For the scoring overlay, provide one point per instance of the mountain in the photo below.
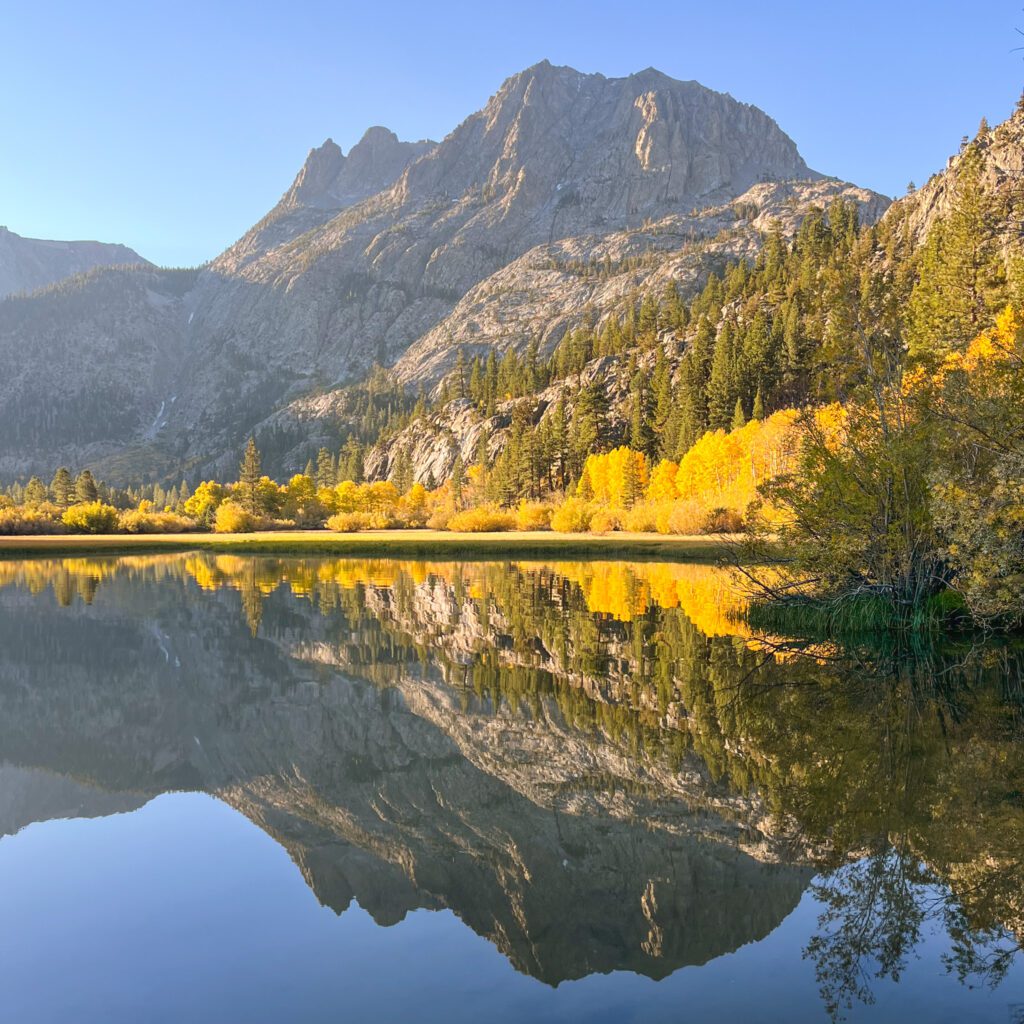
(27, 264)
(374, 258)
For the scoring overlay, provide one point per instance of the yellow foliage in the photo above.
(533, 515)
(22, 520)
(204, 500)
(232, 518)
(616, 478)
(144, 520)
(572, 516)
(483, 519)
(605, 520)
(91, 517)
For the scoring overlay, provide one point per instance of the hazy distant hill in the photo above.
(30, 263)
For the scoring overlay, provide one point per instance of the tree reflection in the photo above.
(893, 770)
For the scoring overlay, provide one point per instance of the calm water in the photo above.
(238, 789)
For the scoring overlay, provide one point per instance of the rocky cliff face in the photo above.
(401, 250)
(1000, 165)
(27, 264)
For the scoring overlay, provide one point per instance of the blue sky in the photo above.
(174, 127)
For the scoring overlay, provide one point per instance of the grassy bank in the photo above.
(435, 545)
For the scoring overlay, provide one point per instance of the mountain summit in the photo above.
(367, 253)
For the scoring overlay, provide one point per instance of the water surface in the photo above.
(316, 790)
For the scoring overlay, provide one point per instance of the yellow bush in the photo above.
(91, 517)
(604, 520)
(572, 516)
(722, 520)
(142, 520)
(42, 519)
(232, 518)
(414, 507)
(484, 519)
(533, 515)
(641, 518)
(439, 517)
(202, 505)
(685, 517)
(352, 522)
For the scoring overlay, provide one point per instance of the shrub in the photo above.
(533, 515)
(30, 521)
(684, 517)
(352, 522)
(232, 518)
(141, 520)
(439, 518)
(90, 517)
(484, 519)
(722, 520)
(572, 516)
(604, 520)
(641, 518)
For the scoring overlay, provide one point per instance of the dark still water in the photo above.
(253, 789)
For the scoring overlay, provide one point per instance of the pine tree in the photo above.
(35, 492)
(738, 418)
(85, 487)
(757, 413)
(402, 473)
(350, 463)
(457, 480)
(641, 430)
(962, 276)
(589, 425)
(721, 389)
(558, 439)
(249, 473)
(326, 469)
(61, 487)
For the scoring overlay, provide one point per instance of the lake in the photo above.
(268, 789)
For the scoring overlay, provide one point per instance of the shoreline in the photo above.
(435, 545)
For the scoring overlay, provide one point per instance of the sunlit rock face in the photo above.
(380, 255)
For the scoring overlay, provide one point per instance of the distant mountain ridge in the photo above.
(367, 254)
(27, 264)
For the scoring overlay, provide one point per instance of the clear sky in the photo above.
(173, 127)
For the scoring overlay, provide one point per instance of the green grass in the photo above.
(855, 616)
(429, 544)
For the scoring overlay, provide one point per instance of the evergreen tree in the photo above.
(721, 389)
(559, 452)
(589, 424)
(757, 413)
(962, 277)
(457, 480)
(738, 418)
(61, 487)
(326, 469)
(35, 492)
(249, 473)
(350, 463)
(402, 473)
(641, 430)
(85, 487)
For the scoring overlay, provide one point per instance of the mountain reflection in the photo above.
(597, 766)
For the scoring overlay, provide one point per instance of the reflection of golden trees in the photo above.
(915, 761)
